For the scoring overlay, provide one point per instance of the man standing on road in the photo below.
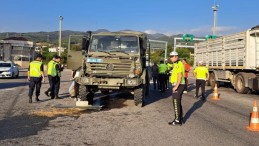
(201, 74)
(162, 68)
(155, 72)
(178, 83)
(187, 68)
(58, 68)
(52, 73)
(35, 76)
(167, 75)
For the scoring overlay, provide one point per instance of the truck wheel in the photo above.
(139, 95)
(212, 80)
(240, 85)
(85, 94)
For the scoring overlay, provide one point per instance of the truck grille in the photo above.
(111, 67)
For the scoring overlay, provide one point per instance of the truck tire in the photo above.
(240, 84)
(212, 80)
(85, 94)
(139, 95)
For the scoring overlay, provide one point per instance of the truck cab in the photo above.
(112, 61)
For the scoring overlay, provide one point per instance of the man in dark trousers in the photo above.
(35, 76)
(52, 73)
(58, 68)
(155, 72)
(201, 74)
(162, 68)
(178, 83)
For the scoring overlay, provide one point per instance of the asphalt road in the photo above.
(120, 123)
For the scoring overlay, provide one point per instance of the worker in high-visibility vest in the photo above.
(59, 69)
(201, 74)
(162, 69)
(52, 73)
(35, 76)
(178, 83)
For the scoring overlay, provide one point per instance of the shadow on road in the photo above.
(198, 104)
(155, 95)
(195, 106)
(22, 126)
(12, 85)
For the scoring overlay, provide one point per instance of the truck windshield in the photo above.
(127, 44)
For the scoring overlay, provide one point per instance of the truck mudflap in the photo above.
(253, 83)
(113, 83)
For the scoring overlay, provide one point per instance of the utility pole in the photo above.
(60, 29)
(215, 9)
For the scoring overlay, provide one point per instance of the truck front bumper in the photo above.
(110, 83)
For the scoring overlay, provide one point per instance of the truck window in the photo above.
(128, 44)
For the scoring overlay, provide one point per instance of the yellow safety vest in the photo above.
(162, 68)
(201, 72)
(35, 69)
(52, 68)
(178, 68)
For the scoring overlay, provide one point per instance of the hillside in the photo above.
(52, 37)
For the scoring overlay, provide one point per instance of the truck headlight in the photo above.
(131, 75)
(132, 82)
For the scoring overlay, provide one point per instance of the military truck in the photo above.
(232, 59)
(111, 61)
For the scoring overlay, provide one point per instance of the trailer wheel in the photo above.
(240, 85)
(139, 95)
(212, 80)
(85, 94)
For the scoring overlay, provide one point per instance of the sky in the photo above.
(169, 17)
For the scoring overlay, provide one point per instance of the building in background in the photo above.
(17, 49)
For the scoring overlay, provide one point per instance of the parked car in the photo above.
(8, 69)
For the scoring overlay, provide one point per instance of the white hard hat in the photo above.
(173, 53)
(200, 62)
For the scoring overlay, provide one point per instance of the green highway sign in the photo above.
(188, 37)
(210, 37)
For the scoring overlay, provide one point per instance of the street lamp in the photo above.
(60, 29)
(215, 9)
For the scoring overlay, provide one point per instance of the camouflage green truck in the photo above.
(112, 61)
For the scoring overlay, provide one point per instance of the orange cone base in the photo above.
(252, 129)
(215, 98)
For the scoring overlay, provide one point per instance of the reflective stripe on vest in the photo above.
(52, 68)
(35, 69)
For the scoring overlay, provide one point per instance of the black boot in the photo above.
(37, 99)
(175, 123)
(30, 99)
(57, 97)
(47, 93)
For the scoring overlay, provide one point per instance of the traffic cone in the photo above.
(254, 121)
(215, 93)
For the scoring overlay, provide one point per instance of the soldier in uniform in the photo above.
(35, 76)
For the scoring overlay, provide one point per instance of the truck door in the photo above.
(74, 54)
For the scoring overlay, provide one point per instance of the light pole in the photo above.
(60, 29)
(215, 9)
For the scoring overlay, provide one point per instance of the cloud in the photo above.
(149, 31)
(199, 31)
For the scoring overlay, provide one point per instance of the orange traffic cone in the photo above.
(254, 121)
(215, 93)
